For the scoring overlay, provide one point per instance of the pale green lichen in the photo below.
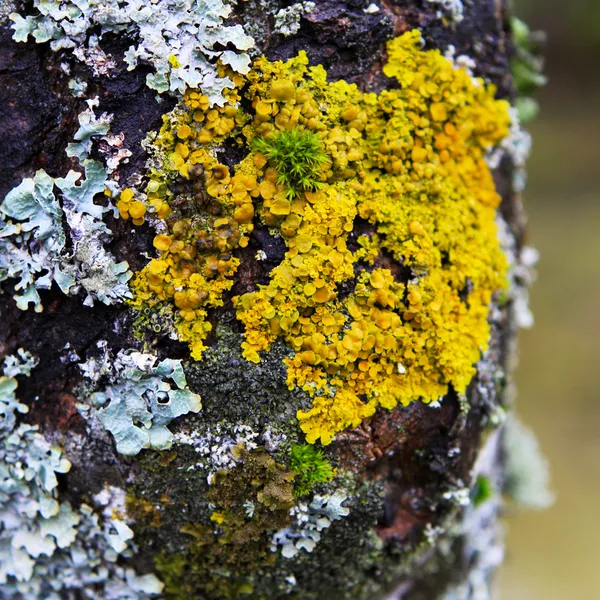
(140, 400)
(78, 87)
(48, 549)
(89, 126)
(33, 239)
(181, 39)
(30, 249)
(19, 364)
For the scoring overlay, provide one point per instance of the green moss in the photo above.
(298, 158)
(311, 467)
(483, 490)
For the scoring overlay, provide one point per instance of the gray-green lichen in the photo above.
(181, 39)
(89, 126)
(140, 399)
(287, 20)
(33, 239)
(78, 87)
(31, 245)
(48, 549)
(20, 364)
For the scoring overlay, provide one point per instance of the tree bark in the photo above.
(427, 483)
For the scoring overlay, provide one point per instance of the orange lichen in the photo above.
(409, 161)
(128, 207)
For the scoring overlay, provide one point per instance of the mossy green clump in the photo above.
(311, 467)
(483, 490)
(298, 158)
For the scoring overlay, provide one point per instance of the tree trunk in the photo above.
(229, 499)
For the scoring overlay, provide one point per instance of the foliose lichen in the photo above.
(310, 519)
(139, 399)
(287, 20)
(33, 239)
(452, 9)
(20, 363)
(48, 549)
(181, 39)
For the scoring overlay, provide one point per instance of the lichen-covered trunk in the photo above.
(262, 267)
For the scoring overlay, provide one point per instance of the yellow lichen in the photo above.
(410, 162)
(128, 207)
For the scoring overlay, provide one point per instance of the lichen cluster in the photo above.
(49, 548)
(392, 252)
(139, 398)
(181, 39)
(33, 236)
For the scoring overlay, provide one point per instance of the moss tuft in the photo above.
(311, 467)
(298, 158)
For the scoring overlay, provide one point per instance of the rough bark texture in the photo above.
(412, 463)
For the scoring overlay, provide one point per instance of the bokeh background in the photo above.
(555, 554)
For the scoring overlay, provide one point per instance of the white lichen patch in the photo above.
(372, 9)
(452, 9)
(462, 61)
(517, 146)
(181, 39)
(139, 400)
(521, 274)
(309, 520)
(218, 446)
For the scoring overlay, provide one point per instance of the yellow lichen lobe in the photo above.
(128, 207)
(382, 313)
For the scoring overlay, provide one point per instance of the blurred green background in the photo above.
(555, 554)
